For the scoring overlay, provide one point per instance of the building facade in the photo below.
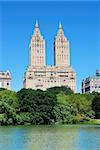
(91, 84)
(40, 76)
(5, 80)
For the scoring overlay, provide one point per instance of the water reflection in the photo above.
(54, 138)
(89, 138)
(64, 137)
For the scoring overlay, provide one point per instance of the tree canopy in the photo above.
(53, 106)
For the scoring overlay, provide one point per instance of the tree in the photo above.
(10, 98)
(8, 112)
(1, 89)
(55, 105)
(8, 107)
(38, 103)
(78, 107)
(63, 89)
(96, 105)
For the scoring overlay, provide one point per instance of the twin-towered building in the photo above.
(40, 76)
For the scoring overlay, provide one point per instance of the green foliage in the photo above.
(78, 107)
(10, 98)
(2, 119)
(23, 118)
(53, 106)
(8, 106)
(1, 89)
(96, 105)
(63, 89)
(7, 111)
(38, 103)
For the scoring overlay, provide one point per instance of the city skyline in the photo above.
(85, 21)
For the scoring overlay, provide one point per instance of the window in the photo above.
(8, 73)
(30, 76)
(7, 83)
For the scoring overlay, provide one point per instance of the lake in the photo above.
(55, 137)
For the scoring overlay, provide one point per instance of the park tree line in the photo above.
(58, 105)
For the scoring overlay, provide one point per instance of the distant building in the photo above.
(40, 76)
(91, 84)
(5, 80)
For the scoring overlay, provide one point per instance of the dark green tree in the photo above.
(63, 89)
(96, 105)
(8, 107)
(38, 103)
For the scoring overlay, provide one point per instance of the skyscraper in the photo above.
(40, 76)
(37, 48)
(61, 49)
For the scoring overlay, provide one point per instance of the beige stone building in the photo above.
(5, 80)
(91, 84)
(40, 76)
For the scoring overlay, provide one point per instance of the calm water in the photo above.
(64, 137)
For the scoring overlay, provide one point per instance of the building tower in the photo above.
(37, 48)
(61, 49)
(38, 75)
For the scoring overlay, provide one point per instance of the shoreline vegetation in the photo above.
(57, 105)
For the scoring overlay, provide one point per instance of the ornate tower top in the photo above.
(62, 51)
(60, 32)
(37, 32)
(60, 25)
(37, 48)
(36, 25)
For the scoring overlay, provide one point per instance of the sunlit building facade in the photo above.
(5, 79)
(40, 76)
(91, 84)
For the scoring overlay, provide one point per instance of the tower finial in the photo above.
(36, 25)
(60, 26)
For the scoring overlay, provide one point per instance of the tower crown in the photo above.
(37, 48)
(62, 50)
(60, 25)
(37, 32)
(36, 25)
(60, 32)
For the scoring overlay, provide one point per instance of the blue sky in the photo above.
(81, 24)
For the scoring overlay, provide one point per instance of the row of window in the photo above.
(95, 87)
(61, 47)
(52, 74)
(3, 74)
(37, 45)
(51, 80)
(37, 50)
(40, 51)
(38, 57)
(61, 56)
